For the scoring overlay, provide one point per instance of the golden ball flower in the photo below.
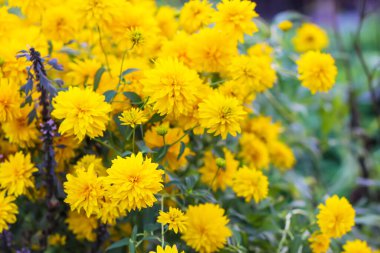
(174, 218)
(319, 243)
(133, 117)
(221, 115)
(167, 249)
(195, 15)
(8, 211)
(172, 87)
(310, 37)
(281, 155)
(254, 151)
(84, 191)
(285, 25)
(235, 18)
(134, 181)
(356, 246)
(336, 217)
(317, 71)
(83, 112)
(82, 226)
(9, 101)
(207, 229)
(16, 174)
(250, 183)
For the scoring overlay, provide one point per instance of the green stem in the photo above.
(162, 225)
(133, 140)
(105, 144)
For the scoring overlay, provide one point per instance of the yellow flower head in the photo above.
(234, 88)
(9, 101)
(319, 243)
(254, 72)
(337, 217)
(235, 18)
(83, 111)
(133, 181)
(133, 117)
(281, 155)
(317, 71)
(261, 50)
(208, 54)
(356, 246)
(59, 23)
(84, 191)
(215, 176)
(19, 131)
(207, 229)
(285, 25)
(16, 174)
(56, 240)
(82, 72)
(310, 37)
(88, 161)
(178, 48)
(82, 226)
(166, 21)
(167, 249)
(263, 128)
(195, 14)
(254, 151)
(221, 115)
(175, 218)
(97, 12)
(8, 211)
(172, 87)
(250, 183)
(154, 138)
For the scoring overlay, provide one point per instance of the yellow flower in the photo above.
(175, 218)
(83, 72)
(84, 191)
(9, 101)
(19, 132)
(254, 151)
(263, 128)
(317, 71)
(319, 243)
(64, 148)
(109, 209)
(195, 14)
(235, 18)
(215, 176)
(261, 50)
(95, 12)
(281, 155)
(254, 72)
(285, 25)
(207, 229)
(88, 161)
(8, 211)
(81, 118)
(356, 246)
(166, 21)
(167, 249)
(310, 37)
(221, 115)
(16, 174)
(208, 54)
(336, 218)
(250, 183)
(59, 23)
(56, 240)
(172, 87)
(83, 227)
(133, 181)
(153, 139)
(178, 48)
(133, 117)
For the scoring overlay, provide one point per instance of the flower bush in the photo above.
(134, 126)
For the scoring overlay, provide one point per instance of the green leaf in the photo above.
(156, 118)
(109, 94)
(119, 244)
(161, 152)
(98, 77)
(135, 99)
(128, 71)
(32, 115)
(143, 147)
(126, 153)
(132, 248)
(181, 150)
